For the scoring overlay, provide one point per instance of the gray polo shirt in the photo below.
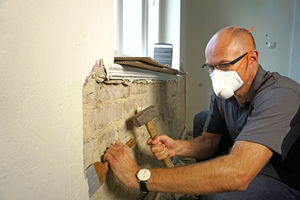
(270, 116)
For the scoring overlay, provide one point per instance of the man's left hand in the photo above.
(121, 160)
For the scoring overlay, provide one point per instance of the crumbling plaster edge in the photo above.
(116, 74)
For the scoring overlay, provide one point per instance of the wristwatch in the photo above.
(143, 175)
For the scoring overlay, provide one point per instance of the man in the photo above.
(260, 111)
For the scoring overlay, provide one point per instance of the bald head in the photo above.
(229, 42)
(241, 35)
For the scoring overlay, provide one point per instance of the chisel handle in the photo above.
(102, 168)
(153, 132)
(130, 143)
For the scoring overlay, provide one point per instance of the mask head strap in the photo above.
(247, 56)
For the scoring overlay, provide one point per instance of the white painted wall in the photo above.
(47, 49)
(169, 27)
(295, 58)
(273, 18)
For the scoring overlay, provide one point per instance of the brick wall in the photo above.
(107, 109)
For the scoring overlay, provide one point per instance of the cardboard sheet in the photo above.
(146, 63)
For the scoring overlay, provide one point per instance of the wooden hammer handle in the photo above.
(153, 132)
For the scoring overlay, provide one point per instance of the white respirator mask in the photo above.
(225, 83)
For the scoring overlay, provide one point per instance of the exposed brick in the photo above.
(88, 93)
(88, 98)
(106, 114)
(139, 88)
(125, 128)
(125, 92)
(112, 92)
(107, 110)
(131, 105)
(107, 137)
(88, 152)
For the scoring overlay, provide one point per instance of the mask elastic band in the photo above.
(246, 57)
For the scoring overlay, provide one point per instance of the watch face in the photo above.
(144, 174)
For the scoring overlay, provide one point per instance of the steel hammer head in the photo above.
(144, 116)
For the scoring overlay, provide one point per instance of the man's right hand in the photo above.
(162, 146)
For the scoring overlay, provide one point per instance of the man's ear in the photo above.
(253, 58)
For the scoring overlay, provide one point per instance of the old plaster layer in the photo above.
(107, 109)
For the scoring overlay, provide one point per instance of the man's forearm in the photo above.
(199, 148)
(226, 173)
(200, 178)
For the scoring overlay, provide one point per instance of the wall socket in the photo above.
(271, 45)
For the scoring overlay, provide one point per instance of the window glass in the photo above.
(116, 21)
(153, 21)
(135, 27)
(132, 27)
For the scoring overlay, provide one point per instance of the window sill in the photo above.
(140, 68)
(117, 71)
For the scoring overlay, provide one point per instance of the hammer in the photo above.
(145, 117)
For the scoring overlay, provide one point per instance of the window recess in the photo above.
(138, 25)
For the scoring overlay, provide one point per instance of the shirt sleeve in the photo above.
(270, 119)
